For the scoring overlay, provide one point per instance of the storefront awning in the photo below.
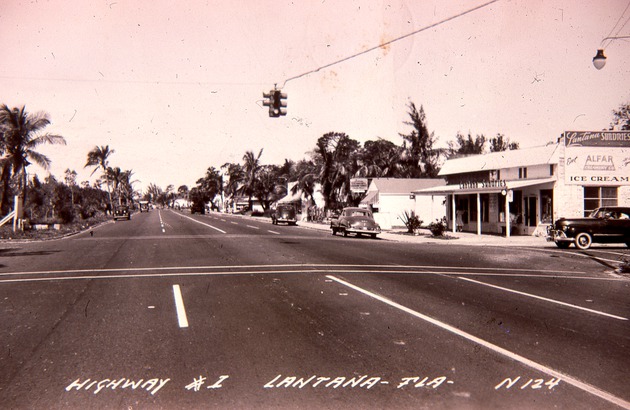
(370, 199)
(482, 187)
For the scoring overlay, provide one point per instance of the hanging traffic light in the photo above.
(276, 101)
(269, 101)
(279, 102)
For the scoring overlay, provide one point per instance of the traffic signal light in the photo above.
(279, 102)
(269, 101)
(276, 101)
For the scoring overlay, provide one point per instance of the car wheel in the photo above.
(563, 245)
(334, 231)
(373, 236)
(583, 240)
(345, 233)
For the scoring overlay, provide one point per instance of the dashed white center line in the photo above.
(274, 232)
(161, 222)
(252, 226)
(179, 306)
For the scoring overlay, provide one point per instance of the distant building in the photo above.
(389, 198)
(527, 189)
(301, 201)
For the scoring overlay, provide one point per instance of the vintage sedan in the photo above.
(609, 224)
(284, 213)
(359, 221)
(122, 212)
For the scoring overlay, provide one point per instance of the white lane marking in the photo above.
(234, 223)
(336, 268)
(274, 232)
(252, 226)
(497, 349)
(161, 222)
(597, 312)
(201, 223)
(246, 272)
(179, 306)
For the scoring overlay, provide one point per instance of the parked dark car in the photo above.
(122, 212)
(285, 214)
(355, 220)
(610, 224)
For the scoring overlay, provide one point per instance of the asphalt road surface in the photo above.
(171, 310)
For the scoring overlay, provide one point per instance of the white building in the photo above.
(389, 198)
(535, 186)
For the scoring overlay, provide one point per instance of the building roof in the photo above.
(403, 186)
(481, 189)
(524, 157)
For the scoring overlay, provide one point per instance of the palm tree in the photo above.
(98, 158)
(335, 157)
(380, 159)
(306, 177)
(154, 193)
(123, 185)
(235, 177)
(21, 134)
(419, 157)
(251, 167)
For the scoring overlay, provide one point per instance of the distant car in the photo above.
(198, 207)
(359, 221)
(144, 206)
(609, 224)
(122, 212)
(284, 214)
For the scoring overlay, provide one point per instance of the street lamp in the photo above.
(599, 61)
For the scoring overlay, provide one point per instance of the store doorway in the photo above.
(531, 205)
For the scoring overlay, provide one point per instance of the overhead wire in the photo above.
(389, 42)
(610, 36)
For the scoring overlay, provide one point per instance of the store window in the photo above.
(594, 197)
(522, 173)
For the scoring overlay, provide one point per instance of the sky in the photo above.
(176, 87)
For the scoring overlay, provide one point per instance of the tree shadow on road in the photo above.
(17, 252)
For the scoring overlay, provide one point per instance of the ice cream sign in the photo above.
(598, 158)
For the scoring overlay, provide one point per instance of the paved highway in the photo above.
(172, 310)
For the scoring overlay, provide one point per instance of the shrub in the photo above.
(438, 227)
(411, 221)
(66, 214)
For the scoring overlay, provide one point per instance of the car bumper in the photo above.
(363, 230)
(287, 220)
(554, 235)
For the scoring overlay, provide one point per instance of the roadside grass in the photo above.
(6, 231)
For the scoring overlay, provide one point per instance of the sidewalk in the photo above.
(450, 238)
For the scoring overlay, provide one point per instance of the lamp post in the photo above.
(599, 61)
